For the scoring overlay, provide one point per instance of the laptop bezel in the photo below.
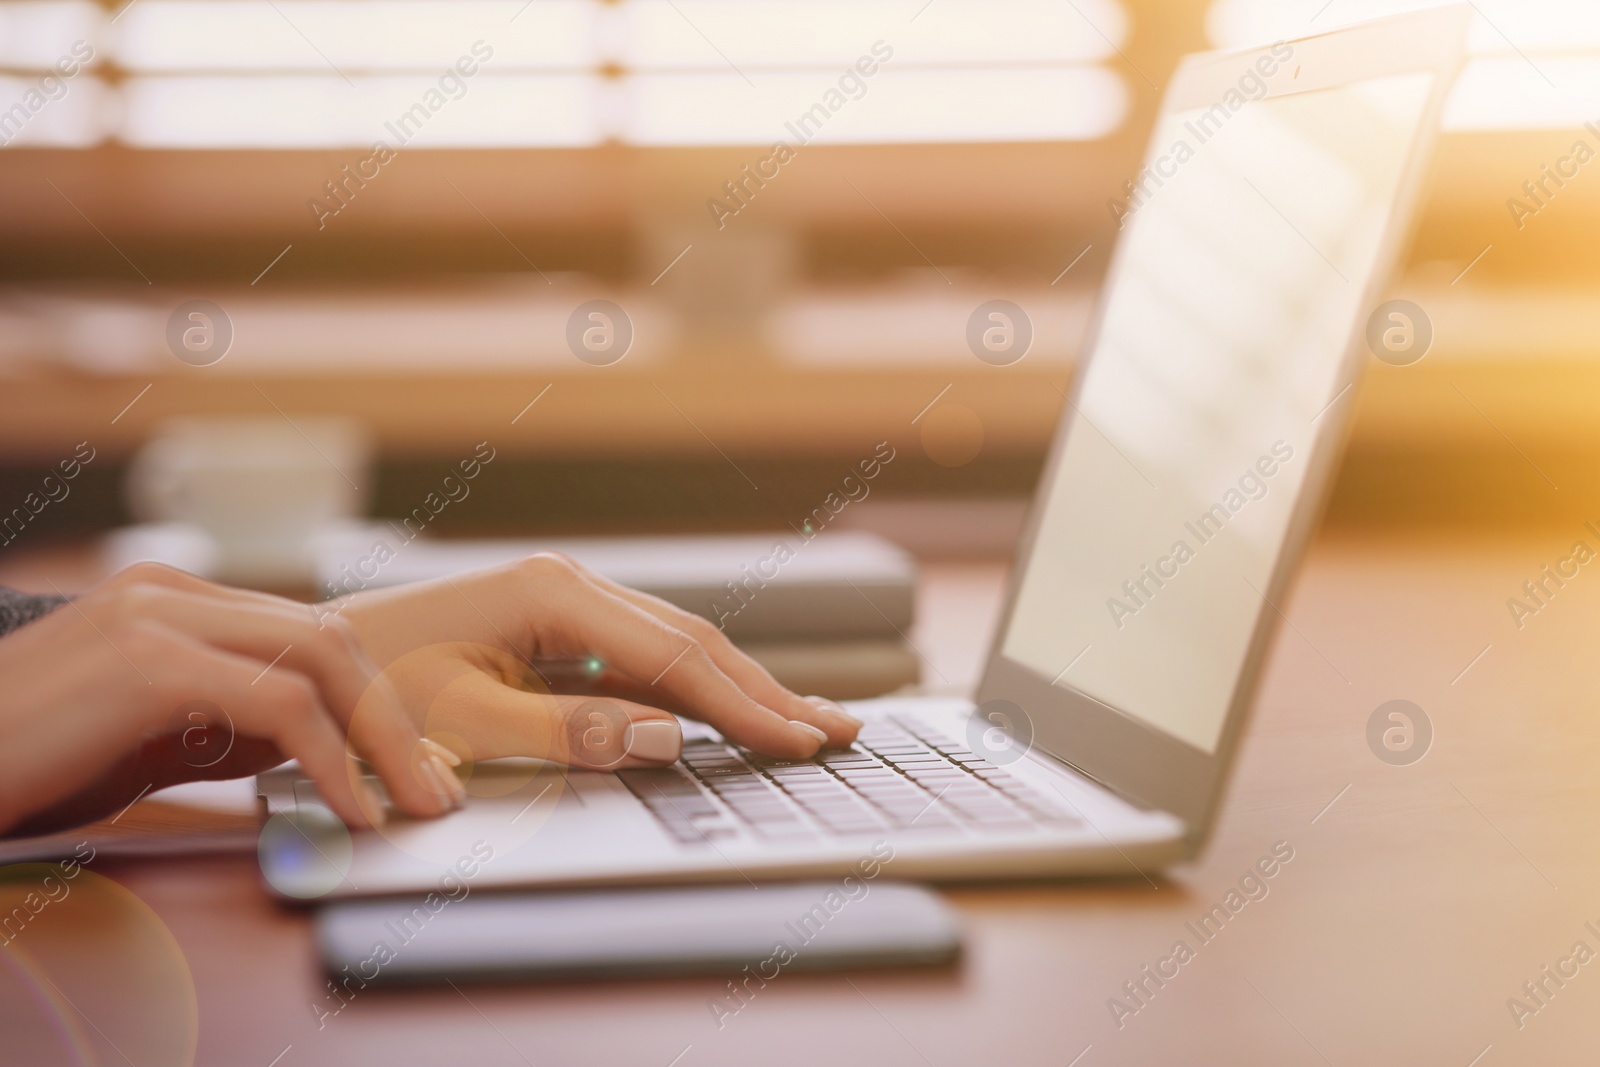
(1136, 760)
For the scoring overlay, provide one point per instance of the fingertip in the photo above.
(458, 792)
(781, 736)
(840, 726)
(441, 751)
(362, 808)
(426, 789)
(814, 736)
(655, 740)
(834, 708)
(440, 779)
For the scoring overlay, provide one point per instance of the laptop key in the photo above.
(935, 778)
(811, 787)
(893, 778)
(646, 782)
(723, 771)
(795, 831)
(769, 814)
(855, 824)
(685, 807)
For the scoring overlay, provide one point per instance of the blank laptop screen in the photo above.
(1221, 345)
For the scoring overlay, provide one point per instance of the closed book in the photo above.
(836, 586)
(838, 670)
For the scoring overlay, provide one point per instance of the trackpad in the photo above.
(692, 930)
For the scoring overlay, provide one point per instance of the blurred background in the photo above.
(784, 312)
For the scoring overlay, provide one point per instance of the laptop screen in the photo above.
(1246, 252)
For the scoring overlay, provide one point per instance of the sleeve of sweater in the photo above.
(19, 609)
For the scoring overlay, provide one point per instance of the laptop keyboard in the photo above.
(899, 776)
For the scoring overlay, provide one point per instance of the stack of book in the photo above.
(826, 613)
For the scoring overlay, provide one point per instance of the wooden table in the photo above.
(1419, 900)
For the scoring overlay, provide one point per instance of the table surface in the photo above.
(1418, 902)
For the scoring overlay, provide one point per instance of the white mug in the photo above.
(263, 488)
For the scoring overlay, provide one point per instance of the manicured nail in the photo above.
(453, 789)
(655, 739)
(824, 704)
(442, 782)
(428, 771)
(449, 757)
(810, 731)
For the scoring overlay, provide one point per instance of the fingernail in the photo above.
(428, 771)
(810, 731)
(442, 782)
(655, 739)
(449, 757)
(372, 805)
(452, 784)
(824, 704)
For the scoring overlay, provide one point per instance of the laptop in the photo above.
(1195, 449)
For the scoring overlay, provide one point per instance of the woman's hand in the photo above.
(156, 677)
(471, 656)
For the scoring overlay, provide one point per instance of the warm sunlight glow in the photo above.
(279, 74)
(1536, 65)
